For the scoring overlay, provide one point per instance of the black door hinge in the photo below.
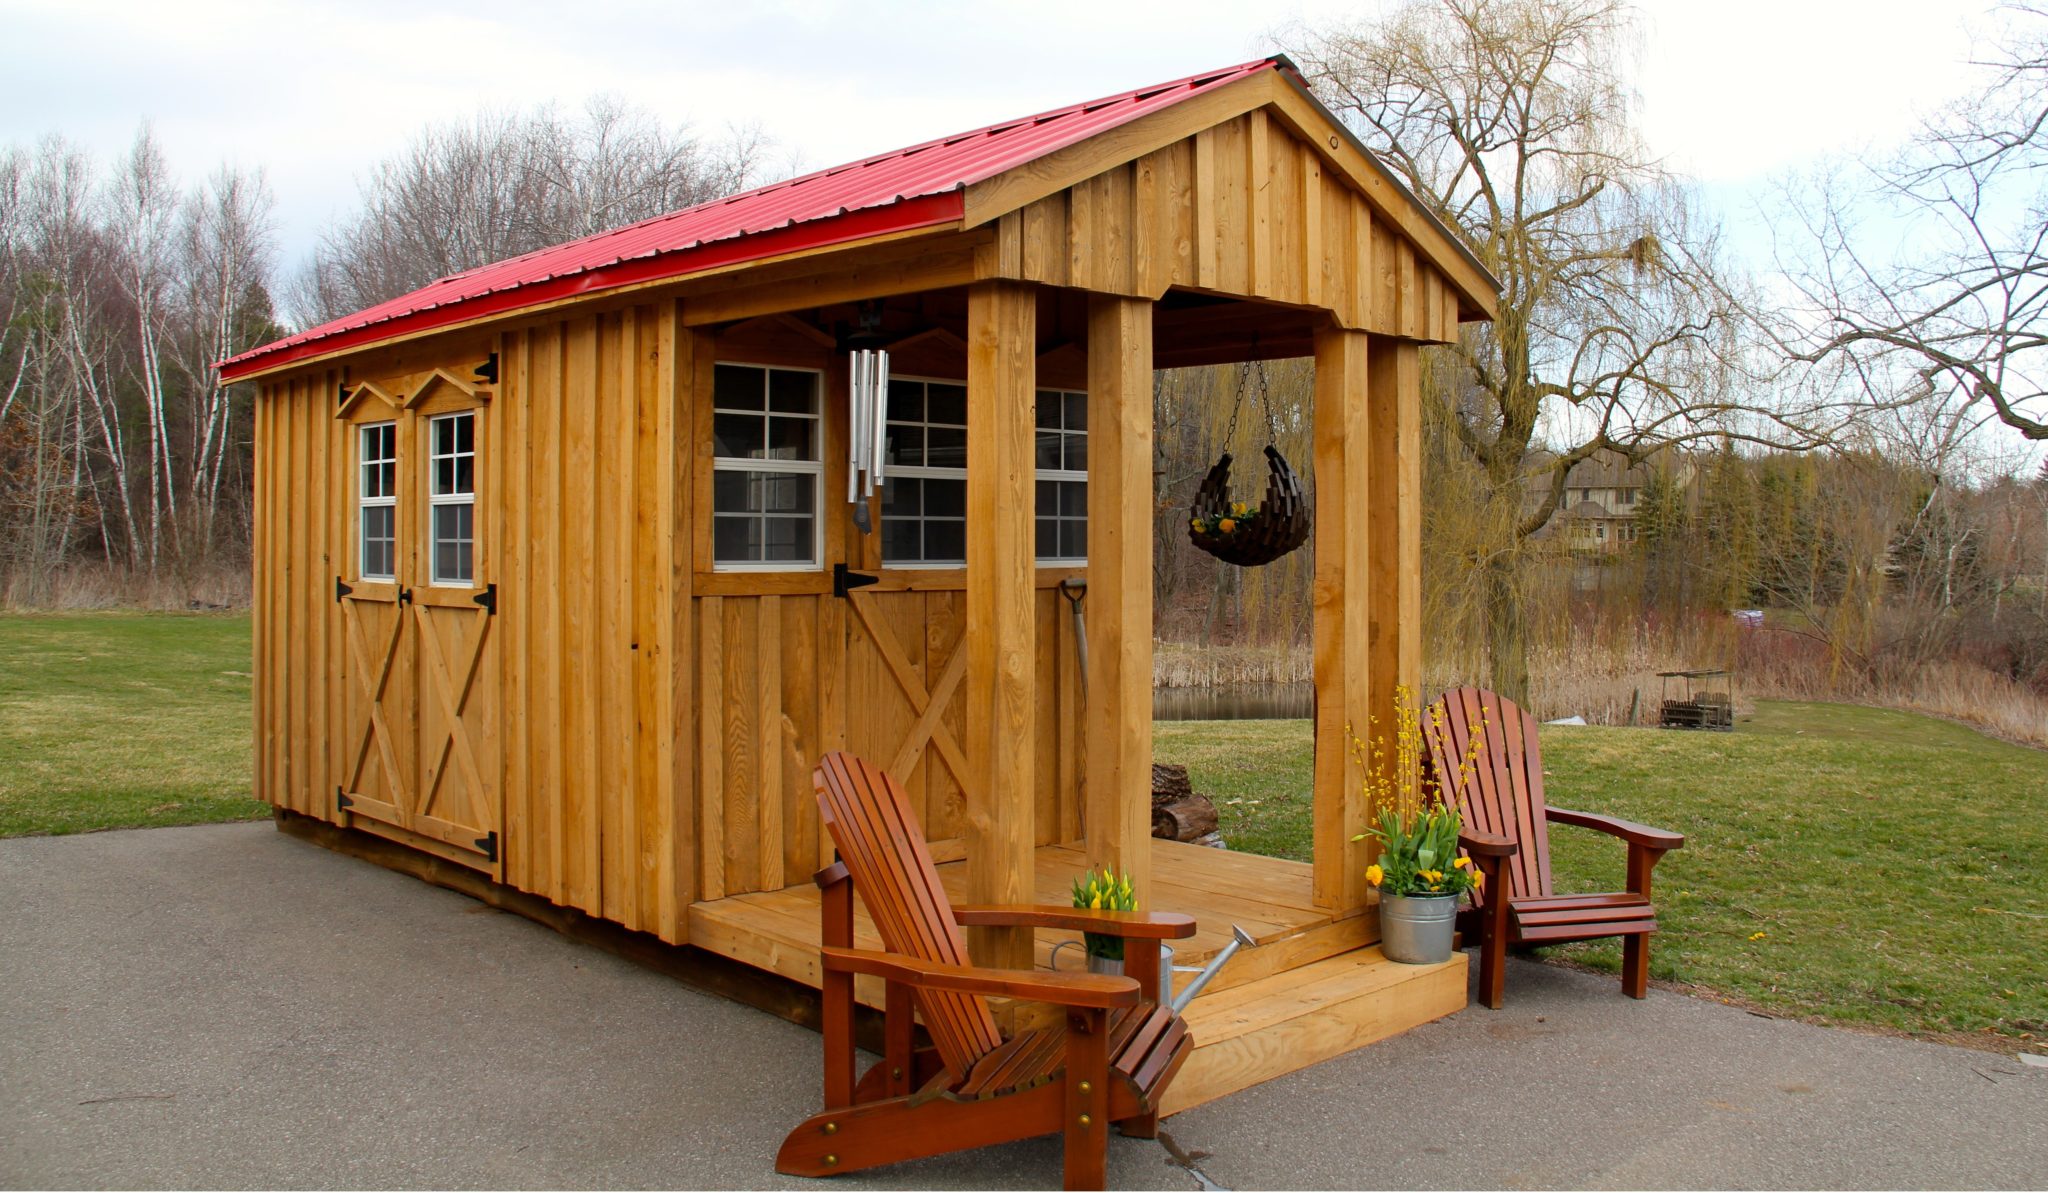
(489, 846)
(845, 581)
(487, 372)
(341, 589)
(405, 596)
(488, 598)
(342, 802)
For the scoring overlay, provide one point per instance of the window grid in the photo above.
(451, 497)
(377, 501)
(924, 502)
(768, 468)
(1062, 483)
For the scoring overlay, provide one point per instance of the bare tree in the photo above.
(1616, 330)
(464, 195)
(1932, 276)
(143, 215)
(225, 259)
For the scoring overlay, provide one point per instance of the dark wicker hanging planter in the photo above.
(1280, 524)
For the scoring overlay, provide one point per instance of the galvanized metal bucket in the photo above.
(1417, 930)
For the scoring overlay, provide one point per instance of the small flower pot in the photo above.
(1416, 929)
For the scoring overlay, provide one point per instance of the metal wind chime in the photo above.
(868, 412)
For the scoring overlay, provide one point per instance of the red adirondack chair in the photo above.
(1507, 825)
(1110, 1062)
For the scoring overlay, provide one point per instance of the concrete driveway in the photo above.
(227, 1006)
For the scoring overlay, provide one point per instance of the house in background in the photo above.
(1601, 497)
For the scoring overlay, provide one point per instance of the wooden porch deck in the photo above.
(1313, 986)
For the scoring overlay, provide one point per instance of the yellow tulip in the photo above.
(1462, 862)
(1373, 874)
(1478, 878)
(1095, 902)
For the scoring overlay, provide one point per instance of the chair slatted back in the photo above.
(1501, 787)
(884, 850)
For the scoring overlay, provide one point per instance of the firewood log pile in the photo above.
(1179, 812)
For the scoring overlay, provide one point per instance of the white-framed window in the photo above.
(1062, 476)
(377, 501)
(451, 497)
(767, 468)
(924, 494)
(924, 490)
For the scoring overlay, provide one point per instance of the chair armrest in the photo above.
(1487, 845)
(1627, 830)
(1063, 989)
(1133, 925)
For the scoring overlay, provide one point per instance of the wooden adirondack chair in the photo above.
(1116, 1053)
(1507, 825)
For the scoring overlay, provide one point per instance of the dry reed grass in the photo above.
(93, 586)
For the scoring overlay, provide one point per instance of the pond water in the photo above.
(1235, 702)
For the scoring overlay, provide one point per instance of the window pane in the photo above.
(454, 532)
(945, 498)
(1048, 497)
(900, 540)
(465, 474)
(1047, 542)
(444, 475)
(1074, 499)
(902, 497)
(1048, 455)
(1077, 412)
(740, 436)
(729, 492)
(1073, 539)
(947, 404)
(465, 433)
(736, 387)
(733, 539)
(792, 392)
(946, 447)
(792, 438)
(1077, 452)
(787, 540)
(906, 401)
(788, 492)
(903, 446)
(945, 541)
(1048, 409)
(378, 542)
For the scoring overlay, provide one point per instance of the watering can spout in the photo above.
(1238, 939)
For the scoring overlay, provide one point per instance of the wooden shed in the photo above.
(557, 575)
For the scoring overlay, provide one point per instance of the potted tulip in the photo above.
(1104, 891)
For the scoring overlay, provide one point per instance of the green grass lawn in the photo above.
(1846, 864)
(123, 721)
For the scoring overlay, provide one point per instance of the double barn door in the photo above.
(418, 609)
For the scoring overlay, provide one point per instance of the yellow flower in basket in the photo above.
(1226, 525)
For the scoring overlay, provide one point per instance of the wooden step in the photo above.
(1267, 1028)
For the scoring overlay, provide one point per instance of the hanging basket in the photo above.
(1278, 525)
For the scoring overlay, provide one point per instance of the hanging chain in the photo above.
(1266, 402)
(1244, 374)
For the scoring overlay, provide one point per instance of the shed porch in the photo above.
(1314, 986)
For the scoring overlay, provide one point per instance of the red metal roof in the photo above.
(909, 188)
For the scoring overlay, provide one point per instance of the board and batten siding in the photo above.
(648, 745)
(1244, 208)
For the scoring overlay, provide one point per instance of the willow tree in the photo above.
(1511, 120)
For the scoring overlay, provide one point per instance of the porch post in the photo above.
(1394, 387)
(1343, 622)
(1001, 613)
(1118, 718)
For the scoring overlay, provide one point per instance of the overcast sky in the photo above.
(315, 92)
